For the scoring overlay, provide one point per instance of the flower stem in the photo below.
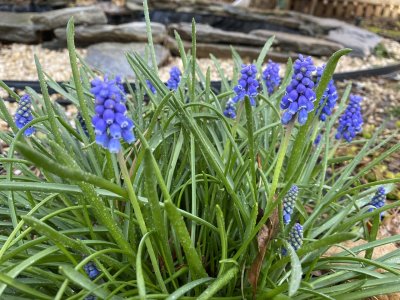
(279, 163)
(278, 167)
(139, 216)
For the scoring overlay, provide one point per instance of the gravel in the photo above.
(17, 62)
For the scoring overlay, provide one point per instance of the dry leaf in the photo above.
(265, 235)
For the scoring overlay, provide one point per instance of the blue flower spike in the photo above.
(24, 114)
(91, 270)
(174, 78)
(230, 110)
(271, 76)
(110, 122)
(247, 85)
(329, 97)
(300, 96)
(350, 123)
(296, 236)
(378, 200)
(288, 203)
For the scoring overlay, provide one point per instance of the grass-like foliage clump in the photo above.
(155, 193)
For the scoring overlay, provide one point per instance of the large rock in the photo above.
(129, 32)
(208, 34)
(59, 18)
(300, 43)
(110, 58)
(204, 50)
(361, 41)
(245, 20)
(17, 27)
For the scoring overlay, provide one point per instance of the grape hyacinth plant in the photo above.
(91, 270)
(271, 76)
(230, 109)
(378, 200)
(296, 236)
(329, 98)
(23, 114)
(174, 78)
(300, 96)
(199, 206)
(288, 203)
(110, 122)
(247, 85)
(351, 121)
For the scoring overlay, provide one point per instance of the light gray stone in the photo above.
(361, 41)
(208, 34)
(59, 17)
(17, 27)
(128, 32)
(110, 58)
(300, 43)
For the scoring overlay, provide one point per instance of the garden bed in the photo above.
(271, 187)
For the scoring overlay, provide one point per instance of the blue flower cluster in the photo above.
(288, 203)
(271, 76)
(351, 121)
(296, 236)
(300, 95)
(110, 122)
(91, 270)
(379, 199)
(151, 86)
(230, 110)
(329, 97)
(24, 114)
(247, 85)
(174, 78)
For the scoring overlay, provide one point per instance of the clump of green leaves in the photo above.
(193, 209)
